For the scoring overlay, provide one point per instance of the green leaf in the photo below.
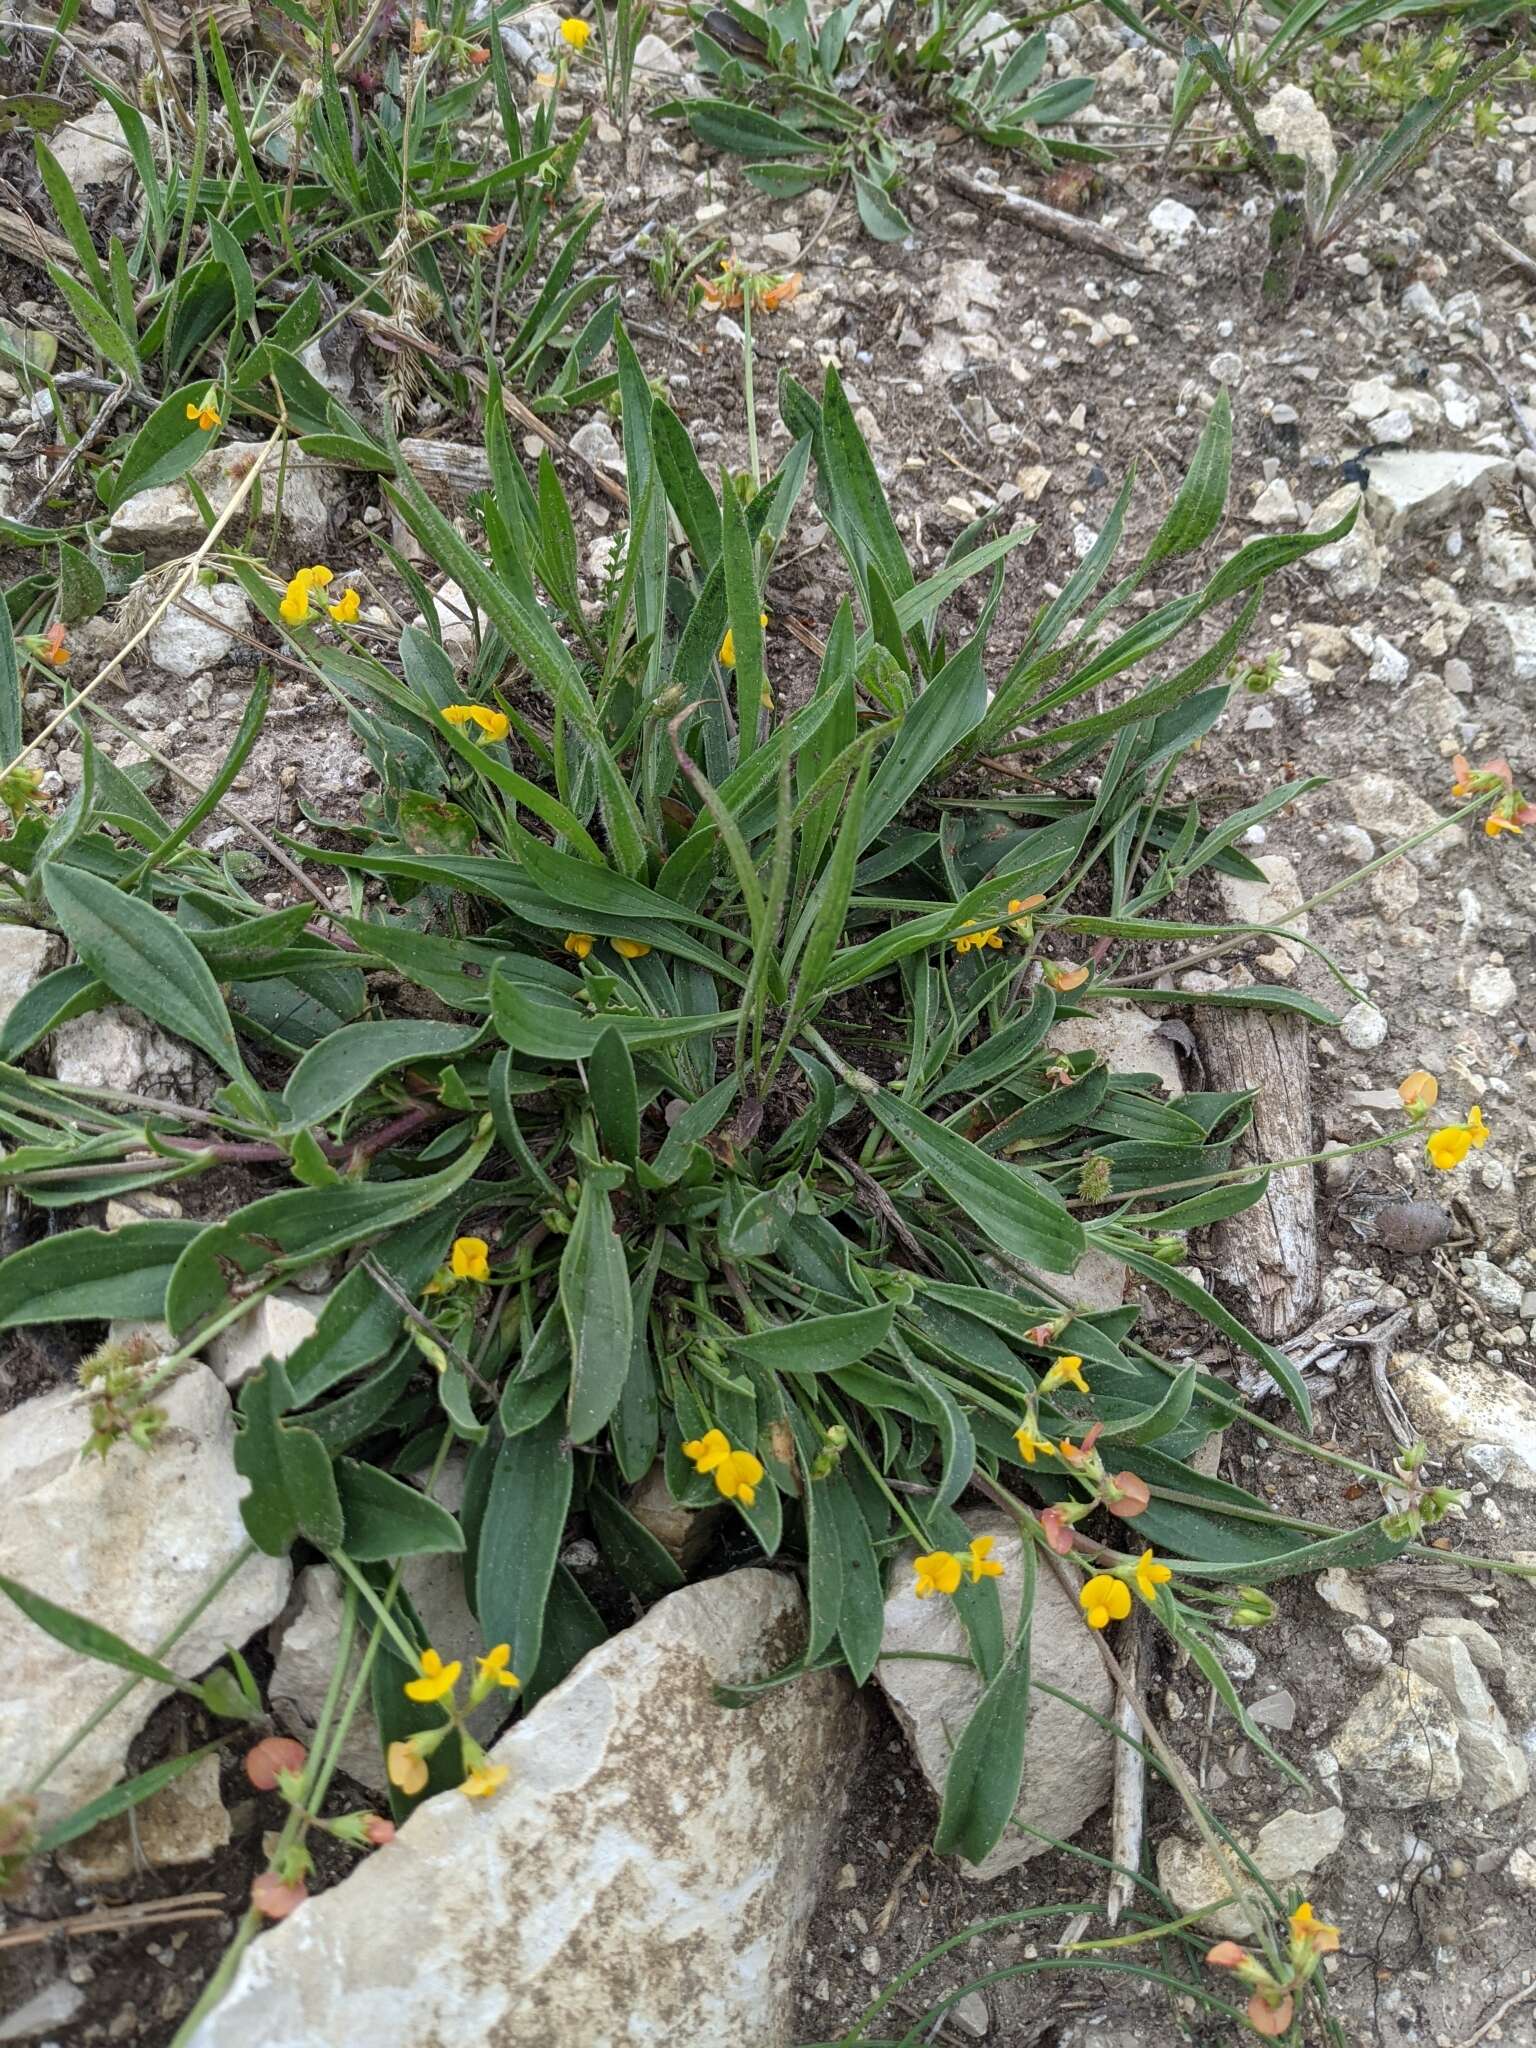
(145, 960)
(819, 1343)
(614, 1097)
(742, 130)
(121, 1799)
(340, 1068)
(10, 692)
(292, 1480)
(1196, 512)
(943, 718)
(879, 212)
(82, 587)
(1179, 1284)
(1262, 996)
(1019, 1217)
(521, 1531)
(61, 195)
(166, 446)
(599, 1311)
(86, 1638)
(386, 1519)
(647, 1568)
(986, 1771)
(101, 330)
(93, 1275)
(541, 1027)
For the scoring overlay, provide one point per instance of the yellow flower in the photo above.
(737, 1473)
(468, 1259)
(1149, 1576)
(1314, 1933)
(1063, 977)
(1104, 1600)
(483, 1779)
(728, 644)
(407, 1772)
(492, 1667)
(983, 1565)
(938, 1572)
(1493, 825)
(976, 942)
(1449, 1146)
(437, 1679)
(1418, 1091)
(206, 414)
(1020, 904)
(630, 949)
(494, 724)
(349, 607)
(1029, 1443)
(294, 608)
(579, 943)
(576, 32)
(1067, 1371)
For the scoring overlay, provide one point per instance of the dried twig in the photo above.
(1128, 1812)
(1047, 220)
(120, 1919)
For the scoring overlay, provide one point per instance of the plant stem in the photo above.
(747, 391)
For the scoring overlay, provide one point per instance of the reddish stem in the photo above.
(233, 1151)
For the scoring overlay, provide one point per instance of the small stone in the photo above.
(117, 1049)
(1493, 1766)
(1502, 640)
(1227, 367)
(596, 443)
(1270, 902)
(185, 645)
(1300, 129)
(184, 1822)
(275, 1329)
(1491, 990)
(1126, 1039)
(131, 1541)
(1505, 558)
(1343, 1592)
(1390, 812)
(24, 958)
(1292, 1846)
(1363, 1027)
(1420, 303)
(1367, 1648)
(1497, 1290)
(55, 2005)
(1275, 1710)
(1274, 506)
(1418, 490)
(1351, 568)
(167, 520)
(1521, 1870)
(1388, 663)
(1171, 221)
(93, 150)
(971, 2016)
(1068, 1761)
(1398, 1747)
(1481, 1647)
(457, 623)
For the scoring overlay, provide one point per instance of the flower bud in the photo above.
(277, 1757)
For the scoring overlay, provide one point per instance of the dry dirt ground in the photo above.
(997, 367)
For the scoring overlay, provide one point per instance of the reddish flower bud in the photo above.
(1227, 1955)
(1132, 1496)
(1270, 2020)
(1057, 1533)
(378, 1830)
(275, 1900)
(264, 1763)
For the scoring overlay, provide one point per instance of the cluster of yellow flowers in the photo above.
(940, 1571)
(295, 607)
(1272, 2005)
(581, 944)
(1448, 1146)
(406, 1761)
(1106, 1597)
(991, 935)
(495, 725)
(737, 1474)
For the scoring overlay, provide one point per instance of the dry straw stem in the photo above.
(179, 583)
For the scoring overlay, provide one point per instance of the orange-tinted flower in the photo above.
(274, 1899)
(1056, 1530)
(379, 1830)
(1418, 1091)
(1130, 1496)
(1063, 976)
(277, 1755)
(1270, 2020)
(206, 414)
(406, 1770)
(1311, 1932)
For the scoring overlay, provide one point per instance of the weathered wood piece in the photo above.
(1266, 1258)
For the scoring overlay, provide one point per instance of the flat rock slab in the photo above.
(1069, 1763)
(643, 1879)
(131, 1541)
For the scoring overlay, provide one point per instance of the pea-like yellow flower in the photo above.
(1063, 976)
(630, 949)
(1311, 1932)
(737, 1474)
(494, 724)
(347, 608)
(579, 943)
(437, 1679)
(1418, 1091)
(982, 1563)
(1448, 1146)
(468, 1259)
(407, 1771)
(492, 1667)
(728, 644)
(977, 942)
(206, 414)
(938, 1572)
(1149, 1576)
(1029, 1444)
(1065, 1372)
(483, 1779)
(1104, 1600)
(576, 32)
(294, 608)
(1494, 824)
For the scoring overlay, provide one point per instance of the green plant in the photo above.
(621, 34)
(798, 104)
